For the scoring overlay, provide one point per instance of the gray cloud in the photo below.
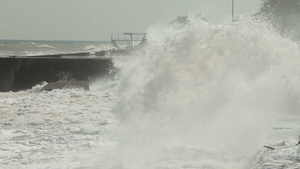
(96, 19)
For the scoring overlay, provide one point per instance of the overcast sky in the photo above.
(96, 19)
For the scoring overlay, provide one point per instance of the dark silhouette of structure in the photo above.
(18, 73)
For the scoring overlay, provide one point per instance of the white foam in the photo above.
(221, 87)
(57, 129)
(44, 46)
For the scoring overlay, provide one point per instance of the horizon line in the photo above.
(65, 40)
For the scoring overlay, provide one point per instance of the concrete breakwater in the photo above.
(19, 73)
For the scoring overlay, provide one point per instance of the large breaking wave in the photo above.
(205, 95)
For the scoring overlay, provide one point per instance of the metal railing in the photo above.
(127, 37)
(120, 36)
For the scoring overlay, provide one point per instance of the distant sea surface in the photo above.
(39, 47)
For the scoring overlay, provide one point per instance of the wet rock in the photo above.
(67, 85)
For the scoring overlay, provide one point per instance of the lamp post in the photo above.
(232, 10)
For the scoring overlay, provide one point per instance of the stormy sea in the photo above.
(196, 96)
(43, 47)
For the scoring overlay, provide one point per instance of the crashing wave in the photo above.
(30, 43)
(283, 15)
(44, 46)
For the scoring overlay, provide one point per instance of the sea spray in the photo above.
(204, 95)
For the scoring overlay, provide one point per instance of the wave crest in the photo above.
(207, 85)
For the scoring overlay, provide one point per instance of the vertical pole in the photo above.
(298, 151)
(232, 10)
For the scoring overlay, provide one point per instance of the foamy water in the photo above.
(199, 96)
(207, 96)
(57, 129)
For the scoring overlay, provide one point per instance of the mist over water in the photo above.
(205, 95)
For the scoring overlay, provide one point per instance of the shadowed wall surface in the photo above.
(24, 72)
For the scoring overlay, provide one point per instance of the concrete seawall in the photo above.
(18, 73)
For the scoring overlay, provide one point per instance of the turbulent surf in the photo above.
(197, 95)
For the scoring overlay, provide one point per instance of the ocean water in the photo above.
(39, 47)
(198, 96)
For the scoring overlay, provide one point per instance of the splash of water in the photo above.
(283, 15)
(205, 95)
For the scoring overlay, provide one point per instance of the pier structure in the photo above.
(123, 43)
(128, 37)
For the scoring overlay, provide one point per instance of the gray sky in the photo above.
(96, 19)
